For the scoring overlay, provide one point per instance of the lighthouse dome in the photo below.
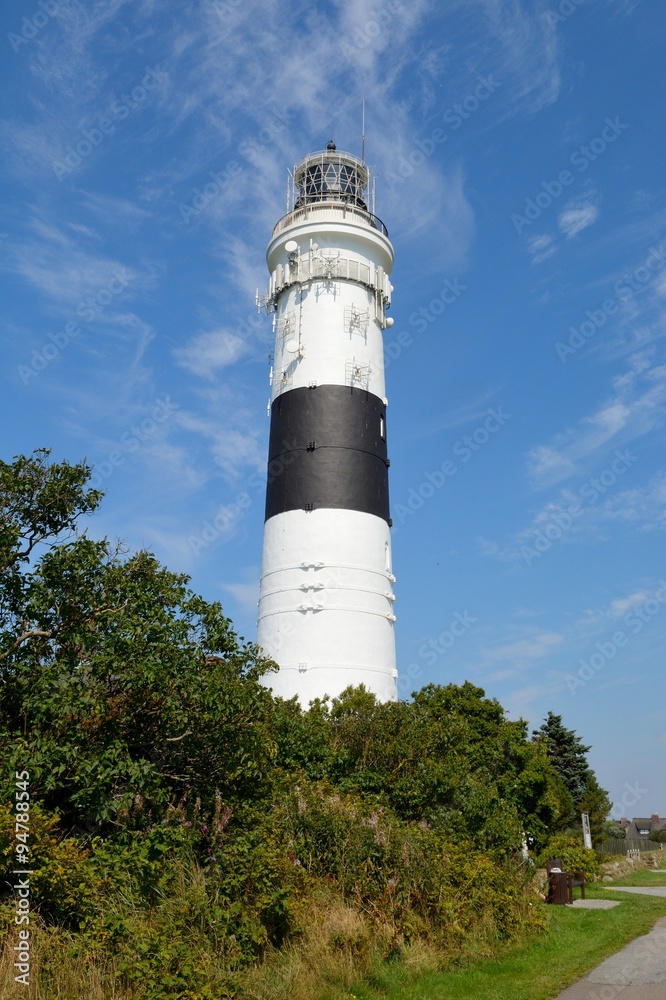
(331, 176)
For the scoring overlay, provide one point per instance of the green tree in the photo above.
(597, 805)
(449, 758)
(39, 503)
(178, 809)
(118, 682)
(568, 756)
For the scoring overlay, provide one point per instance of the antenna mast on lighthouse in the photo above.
(363, 132)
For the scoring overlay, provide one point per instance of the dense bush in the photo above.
(450, 757)
(185, 825)
(575, 857)
(408, 874)
(151, 901)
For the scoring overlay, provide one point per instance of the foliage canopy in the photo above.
(170, 788)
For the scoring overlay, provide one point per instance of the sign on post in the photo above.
(587, 836)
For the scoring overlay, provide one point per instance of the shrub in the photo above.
(65, 889)
(405, 874)
(575, 857)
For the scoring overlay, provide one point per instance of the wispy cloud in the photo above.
(577, 216)
(596, 447)
(541, 248)
(642, 506)
(635, 407)
(524, 655)
(473, 410)
(549, 464)
(621, 605)
(529, 644)
(591, 622)
(522, 50)
(229, 431)
(520, 703)
(67, 268)
(207, 353)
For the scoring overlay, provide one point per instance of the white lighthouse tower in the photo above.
(326, 607)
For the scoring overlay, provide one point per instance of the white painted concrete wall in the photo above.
(326, 609)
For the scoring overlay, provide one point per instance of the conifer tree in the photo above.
(568, 755)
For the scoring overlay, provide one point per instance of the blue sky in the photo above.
(518, 151)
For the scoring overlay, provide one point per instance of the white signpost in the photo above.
(587, 836)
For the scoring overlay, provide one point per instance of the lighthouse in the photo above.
(326, 605)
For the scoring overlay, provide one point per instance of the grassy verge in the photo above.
(576, 941)
(647, 876)
(339, 951)
(644, 876)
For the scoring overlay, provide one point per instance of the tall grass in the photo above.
(343, 953)
(57, 974)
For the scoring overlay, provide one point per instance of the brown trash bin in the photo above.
(559, 889)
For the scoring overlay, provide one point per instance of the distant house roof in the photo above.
(642, 826)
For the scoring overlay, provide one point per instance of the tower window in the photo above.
(382, 429)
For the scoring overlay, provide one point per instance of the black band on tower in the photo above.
(328, 449)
